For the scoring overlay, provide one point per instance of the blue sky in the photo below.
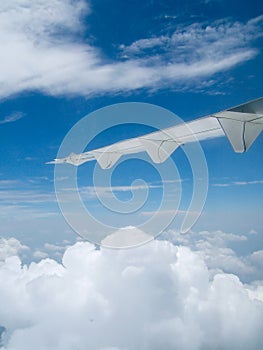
(193, 58)
(61, 60)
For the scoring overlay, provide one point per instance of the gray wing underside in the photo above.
(241, 125)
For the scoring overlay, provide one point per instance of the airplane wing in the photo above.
(241, 125)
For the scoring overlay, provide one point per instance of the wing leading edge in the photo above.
(241, 125)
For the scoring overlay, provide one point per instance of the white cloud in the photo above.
(4, 184)
(238, 183)
(91, 192)
(253, 232)
(28, 204)
(43, 51)
(54, 247)
(144, 44)
(12, 118)
(153, 297)
(11, 247)
(38, 254)
(10, 195)
(129, 236)
(257, 258)
(219, 251)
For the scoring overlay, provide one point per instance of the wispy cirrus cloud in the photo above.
(26, 199)
(104, 191)
(238, 183)
(44, 52)
(89, 192)
(13, 117)
(218, 39)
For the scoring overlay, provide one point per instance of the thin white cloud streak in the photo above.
(24, 213)
(12, 118)
(153, 297)
(165, 212)
(42, 52)
(21, 202)
(18, 192)
(7, 183)
(26, 197)
(92, 192)
(238, 183)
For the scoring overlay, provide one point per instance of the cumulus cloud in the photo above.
(158, 296)
(129, 236)
(220, 252)
(43, 51)
(38, 254)
(11, 247)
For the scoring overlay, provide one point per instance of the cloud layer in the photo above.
(43, 51)
(224, 252)
(158, 296)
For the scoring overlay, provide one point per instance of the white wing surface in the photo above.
(241, 125)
